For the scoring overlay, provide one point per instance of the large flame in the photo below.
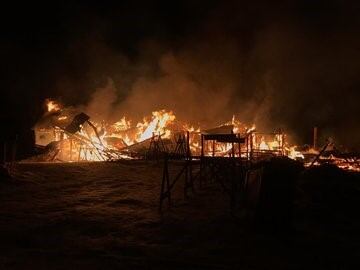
(158, 125)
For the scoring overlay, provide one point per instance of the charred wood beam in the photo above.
(139, 143)
(319, 155)
(224, 138)
(96, 132)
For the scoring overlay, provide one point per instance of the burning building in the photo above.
(66, 134)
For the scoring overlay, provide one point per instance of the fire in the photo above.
(106, 141)
(263, 146)
(105, 137)
(158, 125)
(122, 125)
(349, 164)
(249, 130)
(294, 154)
(127, 140)
(191, 129)
(52, 106)
(61, 118)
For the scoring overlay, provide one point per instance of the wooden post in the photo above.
(280, 140)
(61, 152)
(251, 145)
(71, 146)
(315, 136)
(213, 148)
(239, 144)
(283, 142)
(188, 151)
(191, 174)
(247, 147)
(201, 173)
(80, 149)
(165, 184)
(186, 183)
(233, 150)
(189, 181)
(202, 145)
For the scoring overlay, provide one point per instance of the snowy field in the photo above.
(105, 216)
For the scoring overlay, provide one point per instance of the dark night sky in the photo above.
(302, 57)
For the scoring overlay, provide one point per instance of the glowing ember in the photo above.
(61, 118)
(294, 154)
(52, 106)
(349, 164)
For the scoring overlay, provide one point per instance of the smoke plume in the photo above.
(291, 66)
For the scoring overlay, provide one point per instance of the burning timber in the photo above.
(68, 135)
(81, 140)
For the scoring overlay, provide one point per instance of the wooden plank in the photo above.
(226, 138)
(225, 129)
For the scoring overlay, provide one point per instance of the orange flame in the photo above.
(158, 125)
(52, 106)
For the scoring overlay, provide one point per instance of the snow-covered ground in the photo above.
(105, 216)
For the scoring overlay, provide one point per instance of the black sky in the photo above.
(307, 51)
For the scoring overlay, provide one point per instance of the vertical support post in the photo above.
(167, 178)
(80, 149)
(247, 147)
(315, 136)
(202, 145)
(280, 140)
(188, 151)
(283, 142)
(187, 182)
(191, 174)
(251, 145)
(165, 185)
(61, 152)
(201, 173)
(213, 148)
(239, 145)
(71, 149)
